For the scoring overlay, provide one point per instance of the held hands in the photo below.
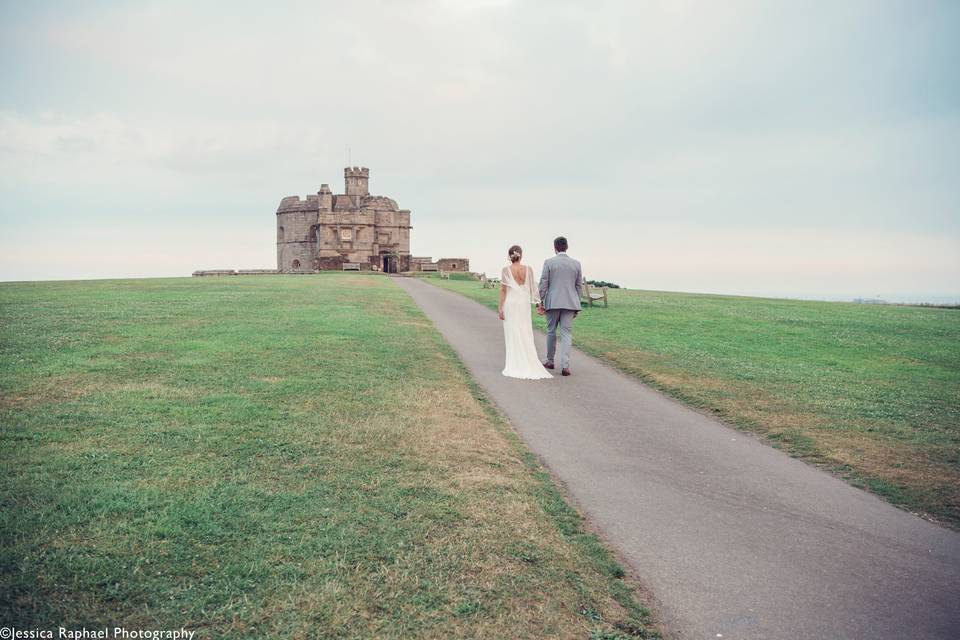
(540, 310)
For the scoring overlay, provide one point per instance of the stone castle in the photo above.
(349, 231)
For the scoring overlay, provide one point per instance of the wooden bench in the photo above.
(351, 266)
(590, 294)
(444, 275)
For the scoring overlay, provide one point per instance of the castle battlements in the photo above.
(291, 204)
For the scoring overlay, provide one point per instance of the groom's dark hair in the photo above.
(560, 244)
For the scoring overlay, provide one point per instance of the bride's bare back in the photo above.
(519, 272)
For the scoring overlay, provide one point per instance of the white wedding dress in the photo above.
(522, 360)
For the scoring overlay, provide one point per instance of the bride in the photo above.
(517, 292)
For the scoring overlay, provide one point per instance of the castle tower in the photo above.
(357, 181)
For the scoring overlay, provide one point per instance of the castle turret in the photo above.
(357, 181)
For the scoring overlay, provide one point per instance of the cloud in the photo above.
(763, 124)
(116, 151)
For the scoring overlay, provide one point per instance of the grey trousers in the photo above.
(561, 319)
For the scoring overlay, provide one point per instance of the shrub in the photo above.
(603, 283)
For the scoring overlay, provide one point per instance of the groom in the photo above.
(560, 286)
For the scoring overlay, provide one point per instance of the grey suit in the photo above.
(560, 287)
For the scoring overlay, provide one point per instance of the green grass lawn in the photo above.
(274, 457)
(871, 392)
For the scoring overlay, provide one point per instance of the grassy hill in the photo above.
(871, 392)
(273, 457)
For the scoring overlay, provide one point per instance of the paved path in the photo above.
(731, 536)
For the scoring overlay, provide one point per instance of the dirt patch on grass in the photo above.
(69, 387)
(51, 390)
(901, 473)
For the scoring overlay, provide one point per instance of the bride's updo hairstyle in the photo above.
(515, 252)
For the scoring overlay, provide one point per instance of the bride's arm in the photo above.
(534, 290)
(503, 290)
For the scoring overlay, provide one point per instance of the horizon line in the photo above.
(942, 300)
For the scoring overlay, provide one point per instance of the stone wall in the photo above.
(363, 235)
(232, 272)
(296, 243)
(335, 263)
(453, 264)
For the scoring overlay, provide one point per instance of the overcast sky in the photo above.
(805, 149)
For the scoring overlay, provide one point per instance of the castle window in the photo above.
(279, 234)
(346, 234)
(453, 266)
(296, 264)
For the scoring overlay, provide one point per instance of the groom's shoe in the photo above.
(565, 372)
(548, 364)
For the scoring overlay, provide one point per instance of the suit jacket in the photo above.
(561, 283)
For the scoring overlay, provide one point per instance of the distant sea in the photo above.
(890, 298)
(946, 300)
(908, 299)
